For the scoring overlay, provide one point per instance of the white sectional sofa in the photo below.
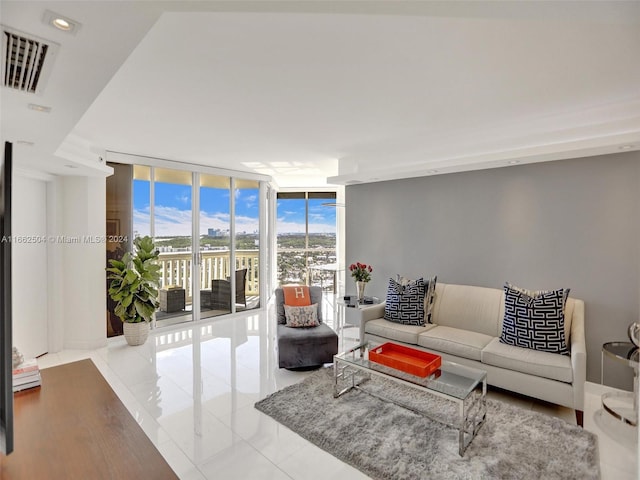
(466, 328)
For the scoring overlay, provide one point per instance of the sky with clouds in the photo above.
(173, 211)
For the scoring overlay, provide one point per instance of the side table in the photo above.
(172, 300)
(351, 316)
(206, 299)
(623, 406)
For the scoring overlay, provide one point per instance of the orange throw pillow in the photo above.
(297, 295)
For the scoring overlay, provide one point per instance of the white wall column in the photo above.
(55, 265)
(29, 272)
(83, 269)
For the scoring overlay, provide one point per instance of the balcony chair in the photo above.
(221, 291)
(304, 347)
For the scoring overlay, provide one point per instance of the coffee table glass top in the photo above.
(451, 379)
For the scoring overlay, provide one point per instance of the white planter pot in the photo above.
(136, 333)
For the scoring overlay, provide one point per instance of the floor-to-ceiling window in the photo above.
(306, 225)
(141, 201)
(172, 228)
(202, 255)
(247, 243)
(215, 245)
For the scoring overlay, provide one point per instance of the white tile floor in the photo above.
(192, 391)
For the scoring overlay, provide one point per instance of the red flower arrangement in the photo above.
(361, 272)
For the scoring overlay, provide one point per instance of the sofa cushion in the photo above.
(405, 303)
(455, 341)
(469, 308)
(525, 360)
(395, 331)
(535, 320)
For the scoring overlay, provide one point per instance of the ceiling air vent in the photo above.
(26, 60)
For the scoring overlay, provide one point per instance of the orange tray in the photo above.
(406, 359)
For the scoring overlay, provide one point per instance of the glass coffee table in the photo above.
(465, 386)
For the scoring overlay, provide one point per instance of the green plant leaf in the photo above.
(133, 282)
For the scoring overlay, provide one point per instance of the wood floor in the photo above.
(75, 427)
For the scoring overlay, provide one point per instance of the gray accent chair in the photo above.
(303, 348)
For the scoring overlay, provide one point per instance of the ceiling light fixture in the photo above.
(26, 143)
(39, 108)
(625, 147)
(60, 22)
(432, 171)
(514, 162)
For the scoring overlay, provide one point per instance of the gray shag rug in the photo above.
(386, 441)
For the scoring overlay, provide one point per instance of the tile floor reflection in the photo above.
(192, 388)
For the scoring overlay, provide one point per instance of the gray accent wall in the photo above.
(571, 223)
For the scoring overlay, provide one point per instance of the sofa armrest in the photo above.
(370, 313)
(578, 355)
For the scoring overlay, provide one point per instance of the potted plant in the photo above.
(134, 288)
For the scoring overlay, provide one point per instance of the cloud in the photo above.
(172, 221)
(284, 226)
(288, 212)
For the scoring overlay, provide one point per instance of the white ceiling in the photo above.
(344, 92)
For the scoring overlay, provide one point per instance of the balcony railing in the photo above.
(176, 269)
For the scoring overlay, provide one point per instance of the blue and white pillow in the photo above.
(405, 303)
(430, 294)
(535, 319)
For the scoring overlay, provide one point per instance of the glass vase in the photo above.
(360, 291)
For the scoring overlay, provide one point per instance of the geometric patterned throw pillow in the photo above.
(303, 316)
(535, 321)
(535, 293)
(430, 294)
(405, 303)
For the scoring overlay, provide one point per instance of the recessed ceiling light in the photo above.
(26, 143)
(60, 22)
(432, 171)
(514, 162)
(626, 147)
(39, 108)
